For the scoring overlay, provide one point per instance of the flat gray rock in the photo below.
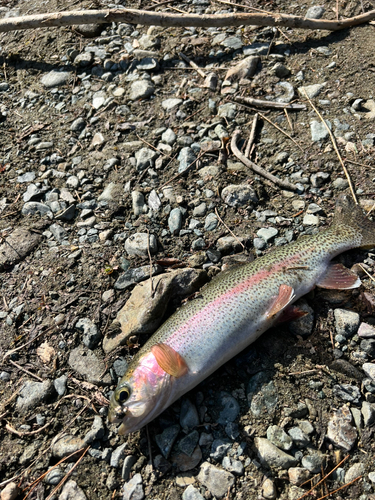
(340, 430)
(272, 456)
(71, 491)
(32, 394)
(65, 445)
(237, 195)
(139, 243)
(17, 245)
(141, 89)
(55, 78)
(133, 489)
(216, 480)
(89, 366)
(169, 104)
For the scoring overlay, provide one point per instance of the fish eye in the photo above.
(123, 394)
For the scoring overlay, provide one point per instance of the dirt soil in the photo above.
(55, 290)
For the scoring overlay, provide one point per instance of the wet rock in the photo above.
(346, 322)
(166, 439)
(191, 493)
(10, 492)
(141, 89)
(87, 364)
(133, 489)
(217, 481)
(271, 456)
(117, 455)
(230, 408)
(188, 443)
(189, 418)
(17, 245)
(269, 489)
(139, 243)
(340, 431)
(239, 195)
(143, 311)
(279, 438)
(65, 445)
(55, 78)
(71, 491)
(96, 432)
(33, 394)
(186, 157)
(91, 336)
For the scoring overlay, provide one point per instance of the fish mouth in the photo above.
(116, 415)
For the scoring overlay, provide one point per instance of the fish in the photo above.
(231, 312)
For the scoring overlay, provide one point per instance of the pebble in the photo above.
(139, 243)
(65, 445)
(267, 233)
(340, 184)
(55, 78)
(261, 394)
(347, 392)
(234, 466)
(219, 448)
(311, 90)
(319, 179)
(175, 221)
(189, 418)
(54, 476)
(141, 89)
(269, 490)
(96, 432)
(188, 443)
(134, 276)
(60, 384)
(315, 12)
(71, 491)
(318, 130)
(311, 220)
(271, 456)
(129, 461)
(139, 205)
(10, 492)
(170, 104)
(34, 207)
(145, 158)
(186, 157)
(230, 408)
(216, 480)
(236, 195)
(166, 439)
(91, 336)
(346, 322)
(211, 222)
(227, 110)
(117, 455)
(33, 394)
(87, 364)
(357, 469)
(133, 489)
(279, 438)
(366, 331)
(191, 493)
(313, 461)
(368, 412)
(340, 431)
(298, 475)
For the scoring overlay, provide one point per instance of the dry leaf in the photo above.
(46, 352)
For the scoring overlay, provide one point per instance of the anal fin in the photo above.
(285, 296)
(339, 277)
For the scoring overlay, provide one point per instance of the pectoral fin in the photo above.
(291, 313)
(339, 277)
(286, 295)
(169, 360)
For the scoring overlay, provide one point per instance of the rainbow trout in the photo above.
(231, 313)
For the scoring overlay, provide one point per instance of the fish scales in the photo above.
(229, 314)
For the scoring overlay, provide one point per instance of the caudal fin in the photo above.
(349, 214)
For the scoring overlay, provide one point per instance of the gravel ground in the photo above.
(115, 162)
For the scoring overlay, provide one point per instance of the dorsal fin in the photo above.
(339, 277)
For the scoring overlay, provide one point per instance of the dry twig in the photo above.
(167, 19)
(192, 64)
(252, 135)
(231, 232)
(256, 168)
(261, 103)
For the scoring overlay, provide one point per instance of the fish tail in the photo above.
(350, 215)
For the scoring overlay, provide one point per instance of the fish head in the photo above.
(143, 393)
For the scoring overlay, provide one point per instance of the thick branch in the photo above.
(167, 19)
